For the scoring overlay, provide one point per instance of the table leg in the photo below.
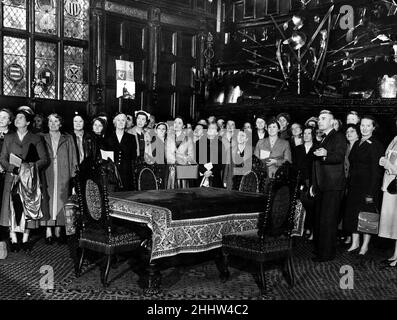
(152, 285)
(222, 263)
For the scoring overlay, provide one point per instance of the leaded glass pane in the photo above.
(75, 87)
(14, 68)
(45, 12)
(14, 14)
(76, 15)
(45, 69)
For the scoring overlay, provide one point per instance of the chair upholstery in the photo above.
(249, 182)
(272, 238)
(147, 180)
(98, 231)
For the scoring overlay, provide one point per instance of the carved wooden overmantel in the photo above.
(141, 31)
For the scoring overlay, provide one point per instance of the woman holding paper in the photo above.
(19, 148)
(59, 174)
(273, 151)
(210, 162)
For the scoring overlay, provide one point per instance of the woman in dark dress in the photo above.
(85, 143)
(260, 131)
(302, 159)
(99, 131)
(364, 181)
(6, 118)
(124, 149)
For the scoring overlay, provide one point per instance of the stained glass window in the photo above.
(14, 67)
(56, 24)
(76, 23)
(45, 66)
(14, 14)
(75, 86)
(45, 16)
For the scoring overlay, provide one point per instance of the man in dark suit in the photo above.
(328, 187)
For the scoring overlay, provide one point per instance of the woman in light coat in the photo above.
(388, 216)
(180, 148)
(59, 175)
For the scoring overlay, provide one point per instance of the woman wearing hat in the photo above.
(58, 175)
(158, 154)
(30, 148)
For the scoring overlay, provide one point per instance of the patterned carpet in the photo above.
(196, 277)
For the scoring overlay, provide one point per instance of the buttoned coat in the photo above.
(59, 174)
(124, 155)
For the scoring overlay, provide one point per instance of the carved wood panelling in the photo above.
(124, 10)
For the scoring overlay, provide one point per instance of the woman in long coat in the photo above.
(30, 148)
(388, 215)
(124, 148)
(180, 150)
(59, 174)
(364, 181)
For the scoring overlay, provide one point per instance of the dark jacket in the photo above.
(91, 150)
(328, 172)
(124, 155)
(364, 170)
(303, 162)
(255, 138)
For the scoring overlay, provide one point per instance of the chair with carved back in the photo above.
(98, 231)
(147, 179)
(272, 240)
(249, 182)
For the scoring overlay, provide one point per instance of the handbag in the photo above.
(3, 250)
(392, 187)
(187, 171)
(368, 221)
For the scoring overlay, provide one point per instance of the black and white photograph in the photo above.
(198, 157)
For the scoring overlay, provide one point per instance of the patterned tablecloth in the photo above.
(195, 233)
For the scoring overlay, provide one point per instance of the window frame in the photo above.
(59, 39)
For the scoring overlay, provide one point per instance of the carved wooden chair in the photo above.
(98, 231)
(271, 241)
(249, 182)
(147, 179)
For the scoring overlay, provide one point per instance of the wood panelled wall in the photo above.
(162, 38)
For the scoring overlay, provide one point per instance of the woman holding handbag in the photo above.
(388, 216)
(180, 149)
(363, 183)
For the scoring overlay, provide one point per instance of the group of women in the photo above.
(220, 151)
